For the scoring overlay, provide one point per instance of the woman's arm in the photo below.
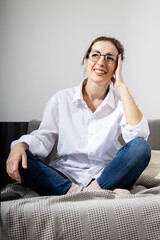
(132, 114)
(39, 142)
(17, 155)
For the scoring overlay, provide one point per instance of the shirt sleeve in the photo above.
(41, 141)
(130, 132)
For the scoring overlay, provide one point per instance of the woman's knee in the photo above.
(32, 162)
(142, 144)
(141, 148)
(32, 159)
(31, 156)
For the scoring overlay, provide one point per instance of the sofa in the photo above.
(100, 214)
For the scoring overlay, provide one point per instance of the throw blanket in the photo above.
(87, 215)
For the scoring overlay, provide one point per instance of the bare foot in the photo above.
(92, 186)
(75, 189)
(122, 191)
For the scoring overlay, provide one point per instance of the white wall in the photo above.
(43, 42)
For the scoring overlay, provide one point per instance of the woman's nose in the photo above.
(101, 61)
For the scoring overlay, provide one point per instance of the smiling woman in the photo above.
(102, 70)
(90, 156)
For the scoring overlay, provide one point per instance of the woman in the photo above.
(88, 120)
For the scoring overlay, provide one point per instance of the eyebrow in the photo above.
(110, 53)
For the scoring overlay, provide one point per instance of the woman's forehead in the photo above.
(105, 47)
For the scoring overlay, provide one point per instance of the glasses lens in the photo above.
(110, 58)
(94, 56)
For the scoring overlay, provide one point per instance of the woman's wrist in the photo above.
(24, 145)
(121, 87)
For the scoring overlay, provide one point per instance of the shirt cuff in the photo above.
(140, 130)
(35, 147)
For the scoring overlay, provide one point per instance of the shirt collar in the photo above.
(109, 99)
(78, 92)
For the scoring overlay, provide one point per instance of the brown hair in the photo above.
(114, 41)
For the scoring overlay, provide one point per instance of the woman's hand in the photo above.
(118, 79)
(17, 155)
(132, 114)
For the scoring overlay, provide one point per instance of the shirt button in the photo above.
(91, 154)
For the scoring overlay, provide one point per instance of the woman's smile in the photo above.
(99, 72)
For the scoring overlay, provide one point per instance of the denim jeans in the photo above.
(121, 172)
(42, 178)
(130, 161)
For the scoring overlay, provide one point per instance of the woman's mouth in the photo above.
(99, 72)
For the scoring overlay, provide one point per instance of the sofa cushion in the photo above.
(151, 175)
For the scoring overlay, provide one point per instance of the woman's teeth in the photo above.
(99, 71)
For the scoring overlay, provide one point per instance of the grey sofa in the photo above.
(87, 215)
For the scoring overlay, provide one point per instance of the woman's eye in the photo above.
(110, 58)
(94, 55)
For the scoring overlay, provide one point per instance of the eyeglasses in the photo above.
(95, 55)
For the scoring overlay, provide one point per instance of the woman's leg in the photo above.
(127, 166)
(42, 178)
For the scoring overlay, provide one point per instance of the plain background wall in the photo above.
(42, 44)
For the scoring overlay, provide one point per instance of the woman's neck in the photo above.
(94, 94)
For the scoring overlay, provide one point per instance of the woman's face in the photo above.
(101, 71)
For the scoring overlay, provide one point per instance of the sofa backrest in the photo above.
(154, 137)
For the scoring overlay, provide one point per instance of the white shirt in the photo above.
(87, 141)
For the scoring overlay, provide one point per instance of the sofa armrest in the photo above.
(34, 125)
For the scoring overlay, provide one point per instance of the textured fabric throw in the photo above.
(151, 175)
(87, 215)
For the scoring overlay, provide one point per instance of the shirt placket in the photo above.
(91, 139)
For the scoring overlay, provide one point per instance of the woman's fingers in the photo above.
(119, 66)
(24, 161)
(17, 156)
(15, 172)
(12, 168)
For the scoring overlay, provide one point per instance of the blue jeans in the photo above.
(121, 172)
(42, 178)
(130, 161)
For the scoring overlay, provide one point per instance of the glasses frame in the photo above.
(104, 55)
